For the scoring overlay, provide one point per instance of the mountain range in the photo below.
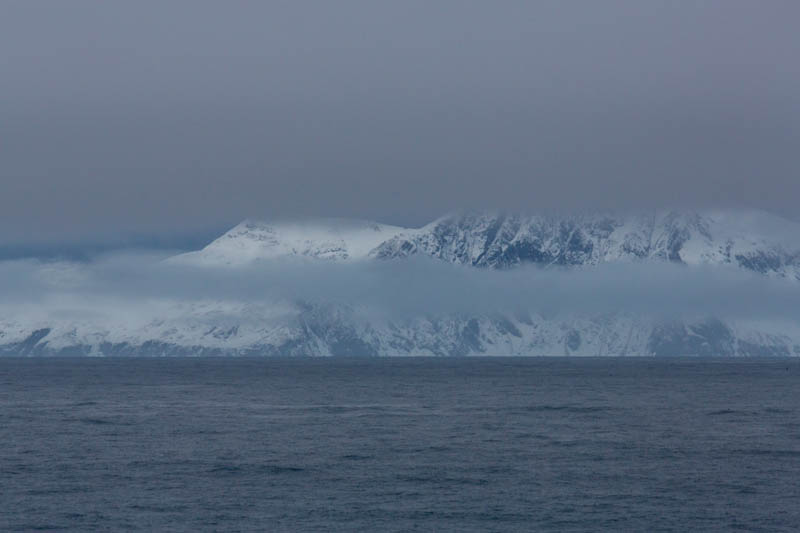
(755, 243)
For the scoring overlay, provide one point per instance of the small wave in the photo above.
(777, 411)
(725, 412)
(42, 527)
(225, 469)
(159, 508)
(50, 492)
(443, 480)
(768, 453)
(253, 469)
(568, 408)
(356, 457)
(98, 421)
(432, 449)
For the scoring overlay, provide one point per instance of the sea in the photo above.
(400, 444)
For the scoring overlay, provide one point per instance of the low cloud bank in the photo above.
(135, 285)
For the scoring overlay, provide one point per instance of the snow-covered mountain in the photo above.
(253, 241)
(751, 241)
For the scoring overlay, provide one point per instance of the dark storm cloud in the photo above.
(174, 117)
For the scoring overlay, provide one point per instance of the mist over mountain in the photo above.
(719, 282)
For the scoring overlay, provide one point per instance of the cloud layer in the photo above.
(140, 286)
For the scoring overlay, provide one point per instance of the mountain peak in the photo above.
(324, 238)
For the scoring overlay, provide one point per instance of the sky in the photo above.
(167, 122)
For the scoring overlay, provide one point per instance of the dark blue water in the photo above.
(399, 445)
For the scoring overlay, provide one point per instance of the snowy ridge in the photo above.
(252, 241)
(752, 240)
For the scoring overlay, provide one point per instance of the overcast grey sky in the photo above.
(174, 117)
